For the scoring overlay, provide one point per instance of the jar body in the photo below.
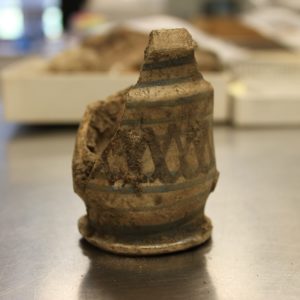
(151, 176)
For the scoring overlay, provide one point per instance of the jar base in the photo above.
(187, 236)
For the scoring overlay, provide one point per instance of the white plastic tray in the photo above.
(266, 92)
(33, 95)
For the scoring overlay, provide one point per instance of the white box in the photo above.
(268, 108)
(33, 95)
(266, 92)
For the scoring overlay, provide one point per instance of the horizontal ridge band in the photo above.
(164, 188)
(169, 63)
(171, 102)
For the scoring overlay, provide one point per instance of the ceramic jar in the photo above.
(144, 161)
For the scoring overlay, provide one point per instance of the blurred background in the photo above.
(248, 50)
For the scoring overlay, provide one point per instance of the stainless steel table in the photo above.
(254, 252)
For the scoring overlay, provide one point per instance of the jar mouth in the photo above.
(168, 44)
(169, 58)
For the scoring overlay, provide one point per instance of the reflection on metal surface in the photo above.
(177, 276)
(255, 254)
(31, 149)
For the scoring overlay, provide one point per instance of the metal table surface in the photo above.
(254, 252)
